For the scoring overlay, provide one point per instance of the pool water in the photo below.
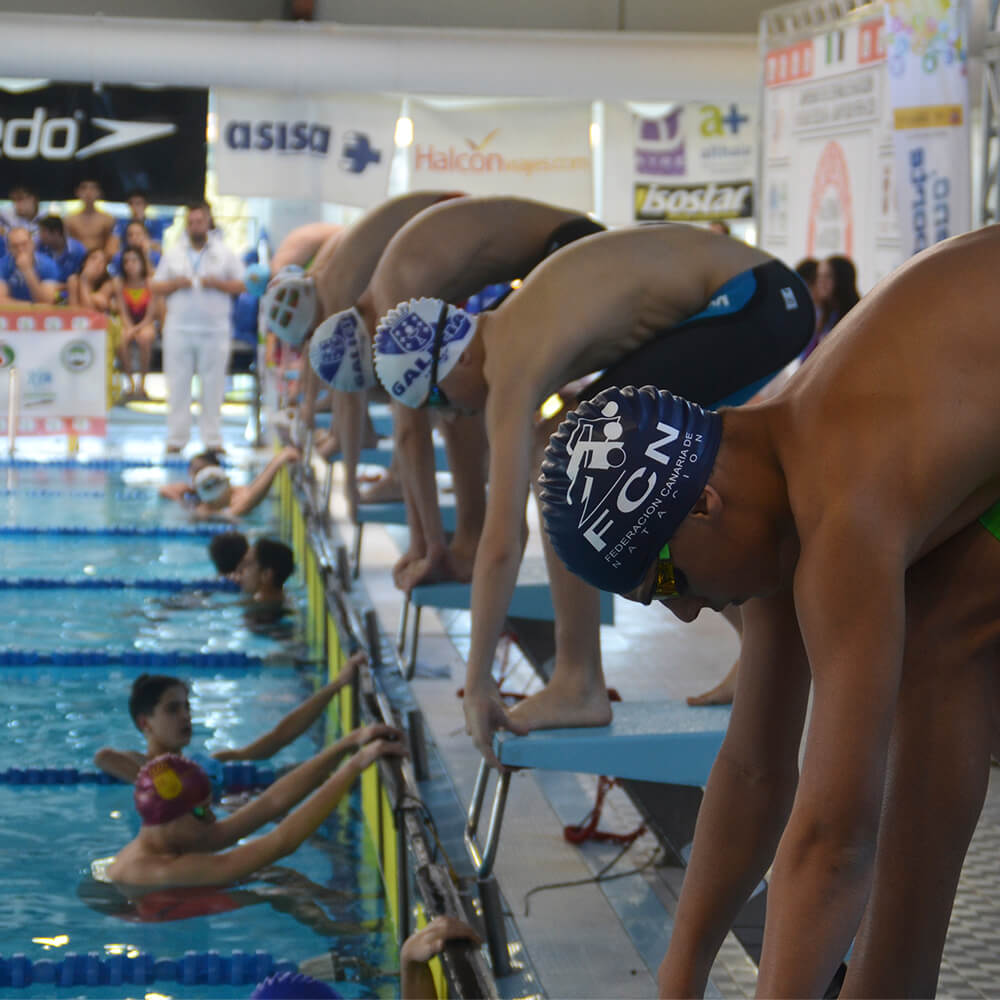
(325, 897)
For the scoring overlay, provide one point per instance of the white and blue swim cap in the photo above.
(619, 475)
(288, 306)
(340, 352)
(404, 346)
(211, 483)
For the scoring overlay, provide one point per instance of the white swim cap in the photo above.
(340, 352)
(211, 483)
(288, 307)
(404, 344)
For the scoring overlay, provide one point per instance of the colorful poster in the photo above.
(539, 150)
(929, 90)
(332, 149)
(828, 183)
(59, 361)
(694, 162)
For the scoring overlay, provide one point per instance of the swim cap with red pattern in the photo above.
(168, 787)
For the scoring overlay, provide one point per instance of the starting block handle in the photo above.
(483, 859)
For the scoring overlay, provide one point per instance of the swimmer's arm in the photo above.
(257, 490)
(291, 788)
(174, 491)
(122, 764)
(748, 796)
(509, 423)
(823, 869)
(296, 722)
(415, 458)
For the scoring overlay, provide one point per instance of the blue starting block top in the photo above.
(395, 513)
(531, 599)
(665, 741)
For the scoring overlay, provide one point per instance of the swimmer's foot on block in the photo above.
(558, 707)
(385, 489)
(646, 741)
(721, 694)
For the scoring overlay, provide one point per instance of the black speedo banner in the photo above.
(149, 138)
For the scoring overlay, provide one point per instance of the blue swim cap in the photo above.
(619, 476)
(293, 986)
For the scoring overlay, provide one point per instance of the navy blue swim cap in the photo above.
(619, 476)
(293, 986)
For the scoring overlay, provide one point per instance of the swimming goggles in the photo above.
(203, 814)
(436, 398)
(669, 581)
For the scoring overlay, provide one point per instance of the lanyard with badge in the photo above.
(195, 259)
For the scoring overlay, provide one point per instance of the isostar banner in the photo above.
(59, 361)
(695, 162)
(334, 149)
(54, 135)
(828, 181)
(929, 93)
(539, 151)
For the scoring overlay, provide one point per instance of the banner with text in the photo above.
(828, 178)
(929, 90)
(334, 149)
(61, 370)
(695, 162)
(53, 135)
(539, 151)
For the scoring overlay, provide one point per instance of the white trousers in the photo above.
(186, 352)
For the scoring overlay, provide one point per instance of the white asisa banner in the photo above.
(694, 162)
(929, 90)
(335, 149)
(828, 179)
(59, 363)
(537, 150)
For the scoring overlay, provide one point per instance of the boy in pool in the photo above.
(182, 844)
(217, 497)
(227, 551)
(183, 491)
(161, 710)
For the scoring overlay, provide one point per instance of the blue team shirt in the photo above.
(17, 287)
(70, 260)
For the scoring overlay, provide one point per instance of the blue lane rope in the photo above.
(7, 462)
(128, 658)
(241, 776)
(203, 530)
(205, 968)
(113, 583)
(83, 494)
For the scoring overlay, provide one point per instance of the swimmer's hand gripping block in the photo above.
(665, 741)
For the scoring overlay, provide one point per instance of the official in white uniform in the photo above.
(198, 277)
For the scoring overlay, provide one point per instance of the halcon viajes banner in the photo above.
(52, 136)
(695, 162)
(334, 149)
(536, 150)
(929, 91)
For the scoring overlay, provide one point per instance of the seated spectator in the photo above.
(135, 237)
(217, 497)
(138, 310)
(161, 710)
(94, 228)
(182, 844)
(23, 212)
(93, 287)
(65, 252)
(25, 274)
(138, 205)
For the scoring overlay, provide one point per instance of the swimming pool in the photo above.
(326, 896)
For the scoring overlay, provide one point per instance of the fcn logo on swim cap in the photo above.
(601, 479)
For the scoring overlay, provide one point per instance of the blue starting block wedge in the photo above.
(531, 599)
(665, 741)
(393, 513)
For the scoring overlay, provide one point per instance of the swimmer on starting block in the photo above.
(182, 844)
(856, 514)
(668, 304)
(160, 708)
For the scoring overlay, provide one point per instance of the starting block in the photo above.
(667, 741)
(531, 599)
(394, 513)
